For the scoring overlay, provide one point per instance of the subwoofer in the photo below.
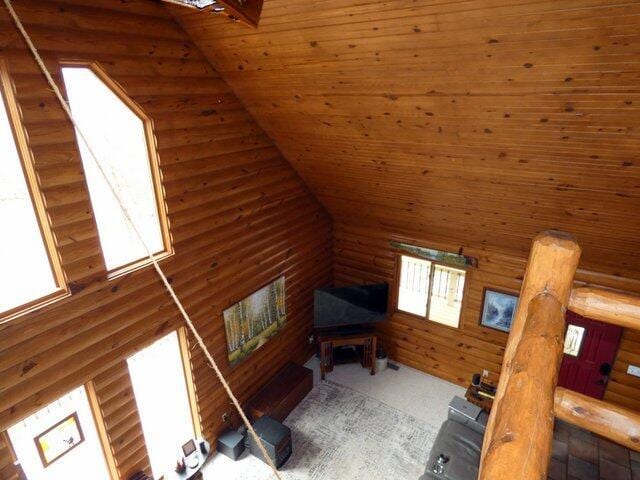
(276, 439)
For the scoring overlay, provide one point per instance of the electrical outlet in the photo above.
(310, 339)
(226, 417)
(485, 373)
(633, 370)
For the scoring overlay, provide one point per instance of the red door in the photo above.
(590, 349)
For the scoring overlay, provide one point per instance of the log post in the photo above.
(523, 425)
(606, 306)
(552, 264)
(618, 424)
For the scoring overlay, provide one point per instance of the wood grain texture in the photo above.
(517, 442)
(117, 403)
(364, 254)
(7, 469)
(485, 122)
(618, 424)
(239, 217)
(530, 378)
(607, 306)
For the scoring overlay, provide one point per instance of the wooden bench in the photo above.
(282, 393)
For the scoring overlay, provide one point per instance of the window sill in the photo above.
(34, 305)
(413, 316)
(138, 265)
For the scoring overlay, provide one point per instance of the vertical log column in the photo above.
(517, 443)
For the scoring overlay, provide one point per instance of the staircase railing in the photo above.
(519, 435)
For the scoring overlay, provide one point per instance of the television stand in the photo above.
(346, 330)
(332, 340)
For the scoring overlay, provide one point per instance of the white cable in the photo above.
(127, 216)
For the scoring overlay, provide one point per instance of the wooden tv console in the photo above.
(329, 340)
(280, 395)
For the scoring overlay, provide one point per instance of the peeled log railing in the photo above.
(522, 430)
(519, 434)
(616, 423)
(606, 306)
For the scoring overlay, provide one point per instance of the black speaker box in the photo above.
(231, 444)
(276, 439)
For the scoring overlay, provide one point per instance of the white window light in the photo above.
(48, 449)
(28, 261)
(119, 137)
(430, 290)
(159, 385)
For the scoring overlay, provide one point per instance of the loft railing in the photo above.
(517, 442)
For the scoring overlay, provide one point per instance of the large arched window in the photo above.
(121, 137)
(30, 273)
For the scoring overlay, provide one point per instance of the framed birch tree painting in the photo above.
(252, 321)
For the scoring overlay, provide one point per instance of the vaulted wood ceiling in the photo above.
(478, 121)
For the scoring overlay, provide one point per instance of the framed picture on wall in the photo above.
(254, 320)
(60, 439)
(498, 309)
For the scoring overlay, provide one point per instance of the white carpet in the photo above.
(414, 392)
(356, 426)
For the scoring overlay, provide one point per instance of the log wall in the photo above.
(117, 403)
(239, 217)
(7, 469)
(363, 254)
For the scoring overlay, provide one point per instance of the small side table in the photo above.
(490, 382)
(330, 340)
(473, 397)
(192, 472)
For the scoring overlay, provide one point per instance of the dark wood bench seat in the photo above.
(280, 395)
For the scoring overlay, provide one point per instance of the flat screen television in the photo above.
(356, 305)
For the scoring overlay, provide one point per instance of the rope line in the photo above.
(150, 255)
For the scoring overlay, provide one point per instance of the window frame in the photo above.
(27, 163)
(154, 166)
(396, 289)
(97, 417)
(181, 333)
(185, 355)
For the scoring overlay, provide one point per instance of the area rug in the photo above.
(339, 433)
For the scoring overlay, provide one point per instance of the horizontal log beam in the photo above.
(618, 424)
(606, 306)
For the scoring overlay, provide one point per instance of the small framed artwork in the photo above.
(188, 448)
(60, 439)
(498, 309)
(573, 340)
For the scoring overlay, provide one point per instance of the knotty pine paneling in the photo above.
(480, 121)
(239, 217)
(117, 403)
(363, 254)
(7, 469)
